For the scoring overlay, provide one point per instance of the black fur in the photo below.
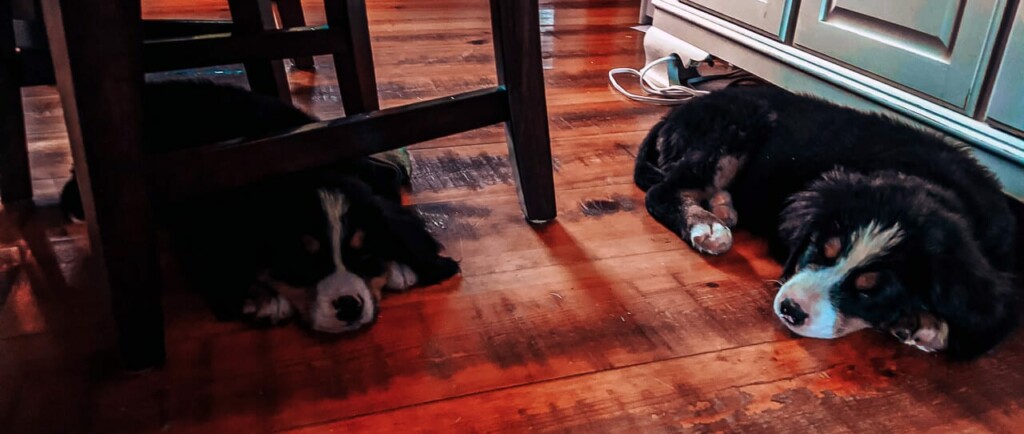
(813, 169)
(227, 239)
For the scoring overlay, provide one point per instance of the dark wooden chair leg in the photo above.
(517, 54)
(267, 78)
(356, 77)
(291, 15)
(99, 77)
(15, 179)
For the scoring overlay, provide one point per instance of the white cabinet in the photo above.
(770, 16)
(1006, 106)
(935, 47)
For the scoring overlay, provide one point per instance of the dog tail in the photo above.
(646, 172)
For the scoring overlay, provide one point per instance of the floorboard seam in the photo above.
(529, 384)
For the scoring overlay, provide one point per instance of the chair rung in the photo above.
(227, 48)
(171, 29)
(235, 163)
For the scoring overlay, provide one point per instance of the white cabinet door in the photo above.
(771, 16)
(1007, 104)
(936, 47)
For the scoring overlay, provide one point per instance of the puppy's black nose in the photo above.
(348, 308)
(792, 313)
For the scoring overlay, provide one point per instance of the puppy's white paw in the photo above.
(400, 277)
(928, 333)
(714, 238)
(271, 310)
(931, 340)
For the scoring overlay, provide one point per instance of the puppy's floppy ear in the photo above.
(977, 301)
(793, 258)
(796, 227)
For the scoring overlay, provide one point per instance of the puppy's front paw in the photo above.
(712, 238)
(923, 331)
(400, 277)
(721, 207)
(271, 310)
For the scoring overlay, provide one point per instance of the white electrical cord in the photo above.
(667, 95)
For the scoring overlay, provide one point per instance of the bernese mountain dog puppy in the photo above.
(878, 224)
(320, 245)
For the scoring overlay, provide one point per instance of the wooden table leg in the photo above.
(265, 77)
(354, 66)
(15, 179)
(291, 15)
(516, 25)
(97, 51)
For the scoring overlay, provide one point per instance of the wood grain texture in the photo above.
(599, 322)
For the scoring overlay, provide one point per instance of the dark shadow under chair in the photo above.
(101, 50)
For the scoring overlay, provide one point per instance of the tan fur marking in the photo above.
(727, 168)
(832, 247)
(866, 281)
(357, 240)
(376, 285)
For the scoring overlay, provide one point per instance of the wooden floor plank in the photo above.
(448, 342)
(846, 386)
(560, 301)
(488, 235)
(474, 171)
(599, 322)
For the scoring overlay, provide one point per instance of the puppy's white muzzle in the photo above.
(804, 304)
(342, 302)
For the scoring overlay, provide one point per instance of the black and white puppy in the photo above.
(880, 225)
(320, 245)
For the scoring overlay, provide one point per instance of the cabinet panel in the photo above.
(929, 21)
(1007, 103)
(767, 15)
(936, 47)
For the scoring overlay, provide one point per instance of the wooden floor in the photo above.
(599, 322)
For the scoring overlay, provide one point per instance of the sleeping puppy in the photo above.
(880, 225)
(320, 245)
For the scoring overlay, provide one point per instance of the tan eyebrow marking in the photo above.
(866, 281)
(357, 240)
(832, 247)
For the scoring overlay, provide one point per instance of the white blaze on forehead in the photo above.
(811, 287)
(335, 206)
(869, 243)
(341, 283)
